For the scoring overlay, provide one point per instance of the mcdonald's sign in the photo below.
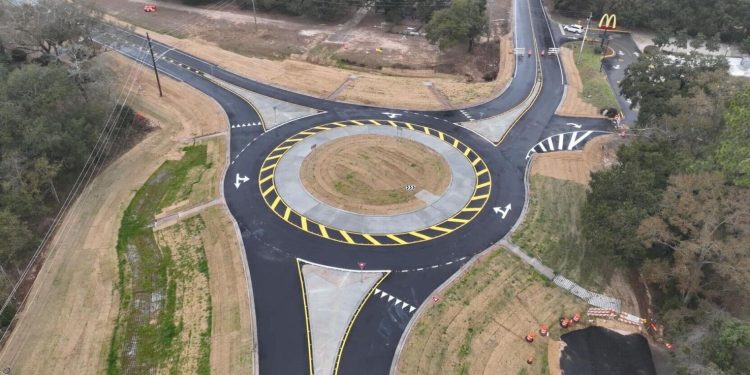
(608, 22)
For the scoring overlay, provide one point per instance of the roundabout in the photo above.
(455, 200)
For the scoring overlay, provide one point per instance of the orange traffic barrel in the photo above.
(576, 318)
(530, 337)
(564, 322)
(543, 330)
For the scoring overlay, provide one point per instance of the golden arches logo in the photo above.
(608, 21)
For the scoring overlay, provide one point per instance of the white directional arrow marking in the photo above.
(504, 212)
(573, 124)
(392, 115)
(239, 180)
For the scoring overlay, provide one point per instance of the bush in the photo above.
(598, 50)
(489, 76)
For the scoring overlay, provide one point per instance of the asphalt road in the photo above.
(273, 245)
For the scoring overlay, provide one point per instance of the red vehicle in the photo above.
(149, 8)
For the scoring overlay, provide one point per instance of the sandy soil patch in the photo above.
(573, 103)
(68, 319)
(577, 166)
(479, 325)
(368, 174)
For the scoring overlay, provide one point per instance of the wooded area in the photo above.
(725, 20)
(59, 126)
(676, 208)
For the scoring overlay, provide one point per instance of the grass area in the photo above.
(551, 231)
(147, 331)
(481, 320)
(596, 89)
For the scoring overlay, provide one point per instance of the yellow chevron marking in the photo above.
(371, 239)
(323, 231)
(441, 229)
(420, 235)
(275, 202)
(400, 241)
(346, 236)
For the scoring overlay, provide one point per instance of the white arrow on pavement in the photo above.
(392, 115)
(239, 180)
(504, 212)
(573, 124)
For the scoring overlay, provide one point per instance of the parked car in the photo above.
(578, 29)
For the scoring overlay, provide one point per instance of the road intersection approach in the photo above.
(283, 230)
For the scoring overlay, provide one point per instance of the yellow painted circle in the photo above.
(482, 189)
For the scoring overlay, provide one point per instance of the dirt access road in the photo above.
(68, 319)
(323, 59)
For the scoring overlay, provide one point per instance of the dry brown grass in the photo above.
(231, 340)
(368, 174)
(478, 327)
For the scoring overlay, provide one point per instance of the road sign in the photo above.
(518, 51)
(410, 187)
(435, 298)
(361, 265)
(553, 51)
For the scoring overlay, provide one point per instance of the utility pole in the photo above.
(255, 17)
(153, 60)
(585, 32)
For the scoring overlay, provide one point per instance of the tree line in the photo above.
(54, 102)
(714, 20)
(676, 207)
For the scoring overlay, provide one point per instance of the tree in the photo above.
(15, 239)
(652, 81)
(464, 20)
(734, 150)
(705, 226)
(47, 24)
(622, 196)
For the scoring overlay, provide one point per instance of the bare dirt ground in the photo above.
(479, 325)
(288, 52)
(573, 104)
(68, 319)
(368, 174)
(577, 166)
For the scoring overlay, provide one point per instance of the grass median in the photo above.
(596, 88)
(151, 325)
